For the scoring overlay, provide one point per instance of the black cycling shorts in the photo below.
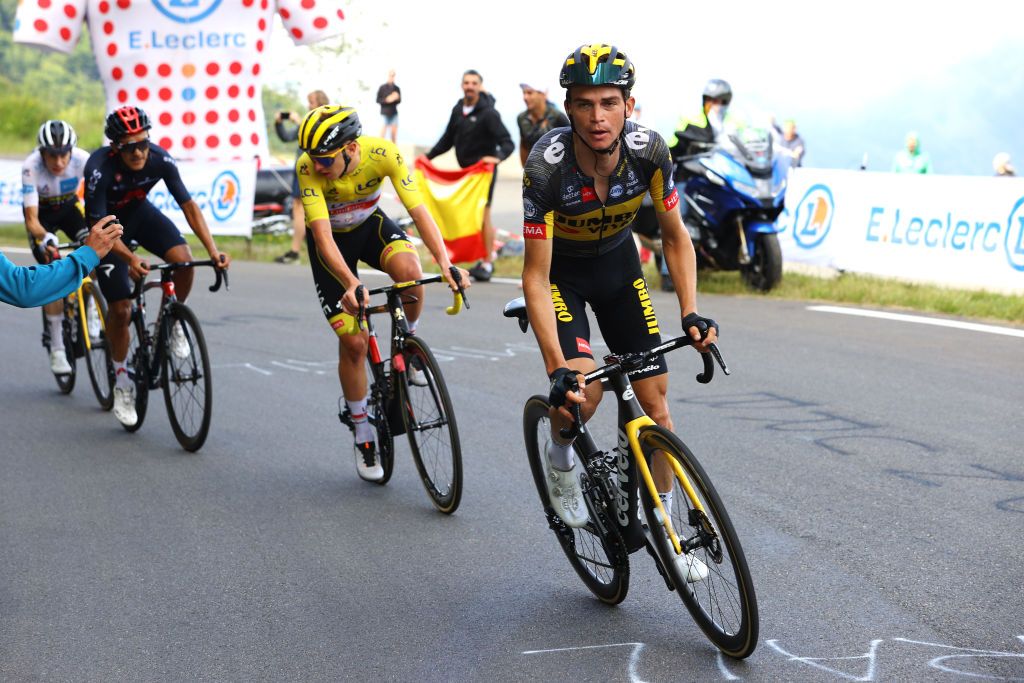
(67, 218)
(154, 231)
(373, 242)
(614, 286)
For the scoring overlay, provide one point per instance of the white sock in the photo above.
(561, 455)
(666, 500)
(412, 324)
(364, 432)
(56, 331)
(121, 378)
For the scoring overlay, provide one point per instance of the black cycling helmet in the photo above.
(328, 128)
(125, 121)
(717, 89)
(56, 137)
(598, 64)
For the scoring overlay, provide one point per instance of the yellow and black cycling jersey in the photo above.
(560, 203)
(348, 201)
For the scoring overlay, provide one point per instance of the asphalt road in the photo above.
(872, 469)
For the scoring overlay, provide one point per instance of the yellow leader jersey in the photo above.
(349, 200)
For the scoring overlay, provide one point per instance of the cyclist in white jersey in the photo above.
(51, 181)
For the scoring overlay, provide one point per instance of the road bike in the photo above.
(408, 395)
(84, 332)
(177, 362)
(616, 484)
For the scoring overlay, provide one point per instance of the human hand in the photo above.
(138, 268)
(703, 331)
(466, 281)
(491, 160)
(566, 389)
(349, 303)
(221, 259)
(103, 235)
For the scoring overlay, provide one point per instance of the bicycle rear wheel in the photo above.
(187, 383)
(723, 604)
(431, 427)
(600, 563)
(96, 348)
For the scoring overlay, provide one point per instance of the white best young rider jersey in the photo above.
(41, 188)
(195, 66)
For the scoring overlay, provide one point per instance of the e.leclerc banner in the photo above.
(224, 190)
(950, 230)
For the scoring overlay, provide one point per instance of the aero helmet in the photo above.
(125, 121)
(328, 128)
(598, 64)
(56, 137)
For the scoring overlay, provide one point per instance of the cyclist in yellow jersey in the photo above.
(340, 177)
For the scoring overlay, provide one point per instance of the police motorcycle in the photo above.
(733, 195)
(730, 194)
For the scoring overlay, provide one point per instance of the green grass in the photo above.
(847, 288)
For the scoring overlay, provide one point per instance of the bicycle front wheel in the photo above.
(187, 384)
(431, 427)
(600, 562)
(97, 350)
(712, 578)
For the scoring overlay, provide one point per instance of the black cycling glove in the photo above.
(701, 323)
(562, 380)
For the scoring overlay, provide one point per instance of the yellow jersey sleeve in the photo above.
(401, 178)
(311, 190)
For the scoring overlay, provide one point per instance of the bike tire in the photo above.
(186, 380)
(431, 427)
(96, 348)
(723, 604)
(138, 369)
(66, 382)
(601, 563)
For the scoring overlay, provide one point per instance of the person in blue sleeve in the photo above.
(31, 286)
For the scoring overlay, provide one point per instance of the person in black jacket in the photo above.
(315, 99)
(477, 133)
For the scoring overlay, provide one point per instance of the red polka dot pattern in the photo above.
(188, 142)
(140, 70)
(233, 91)
(235, 68)
(212, 92)
(41, 25)
(188, 118)
(308, 4)
(45, 4)
(165, 94)
(211, 117)
(164, 70)
(108, 27)
(70, 12)
(116, 73)
(212, 141)
(124, 4)
(112, 49)
(65, 33)
(236, 140)
(213, 68)
(165, 120)
(165, 143)
(142, 94)
(104, 7)
(297, 32)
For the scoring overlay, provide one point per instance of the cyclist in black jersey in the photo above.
(117, 180)
(582, 187)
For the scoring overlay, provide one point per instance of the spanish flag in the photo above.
(456, 200)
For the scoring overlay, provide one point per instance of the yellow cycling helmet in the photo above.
(328, 128)
(598, 64)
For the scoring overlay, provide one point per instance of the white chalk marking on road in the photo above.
(729, 676)
(816, 661)
(634, 658)
(260, 370)
(939, 662)
(902, 317)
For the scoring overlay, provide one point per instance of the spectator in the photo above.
(790, 141)
(541, 115)
(1001, 165)
(912, 159)
(477, 133)
(30, 286)
(388, 97)
(317, 98)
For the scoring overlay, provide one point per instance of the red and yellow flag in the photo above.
(456, 200)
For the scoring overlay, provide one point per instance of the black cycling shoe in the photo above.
(482, 272)
(288, 257)
(367, 464)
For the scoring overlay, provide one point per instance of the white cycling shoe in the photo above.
(59, 362)
(692, 567)
(367, 463)
(416, 376)
(124, 406)
(179, 344)
(565, 496)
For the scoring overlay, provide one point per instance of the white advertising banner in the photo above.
(225, 191)
(949, 230)
(195, 66)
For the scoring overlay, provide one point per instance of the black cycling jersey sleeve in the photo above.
(97, 182)
(172, 178)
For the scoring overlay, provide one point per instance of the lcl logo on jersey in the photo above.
(813, 217)
(186, 11)
(225, 195)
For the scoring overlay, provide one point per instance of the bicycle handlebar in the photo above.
(458, 296)
(220, 273)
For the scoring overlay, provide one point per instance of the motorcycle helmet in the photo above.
(717, 89)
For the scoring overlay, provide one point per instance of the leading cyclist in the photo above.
(340, 174)
(582, 186)
(51, 180)
(117, 180)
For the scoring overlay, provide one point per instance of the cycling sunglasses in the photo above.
(326, 160)
(129, 147)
